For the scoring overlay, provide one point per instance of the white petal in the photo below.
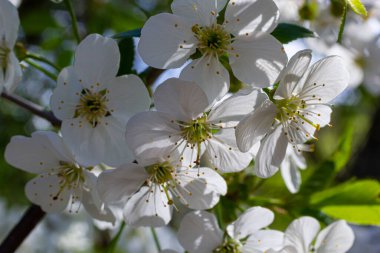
(264, 240)
(151, 134)
(224, 157)
(13, 73)
(97, 61)
(199, 12)
(200, 188)
(127, 96)
(148, 209)
(338, 237)
(210, 75)
(166, 41)
(251, 17)
(255, 126)
(271, 153)
(291, 175)
(326, 80)
(182, 99)
(257, 62)
(199, 232)
(118, 184)
(301, 232)
(66, 95)
(251, 221)
(9, 23)
(292, 73)
(234, 108)
(87, 143)
(43, 191)
(38, 154)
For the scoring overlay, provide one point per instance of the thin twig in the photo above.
(33, 108)
(74, 22)
(343, 23)
(156, 241)
(38, 67)
(17, 235)
(113, 244)
(42, 59)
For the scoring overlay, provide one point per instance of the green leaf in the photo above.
(286, 33)
(127, 56)
(357, 7)
(128, 34)
(358, 214)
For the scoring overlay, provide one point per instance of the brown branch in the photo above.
(17, 235)
(33, 108)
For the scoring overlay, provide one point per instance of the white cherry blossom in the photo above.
(10, 70)
(199, 233)
(338, 237)
(62, 181)
(185, 123)
(94, 104)
(294, 112)
(290, 168)
(149, 192)
(255, 56)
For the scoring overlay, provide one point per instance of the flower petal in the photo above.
(290, 174)
(327, 79)
(118, 184)
(46, 192)
(199, 232)
(264, 240)
(183, 100)
(255, 126)
(251, 221)
(97, 61)
(9, 23)
(167, 41)
(257, 61)
(199, 12)
(148, 209)
(292, 73)
(13, 73)
(301, 232)
(338, 237)
(66, 95)
(271, 153)
(247, 17)
(127, 96)
(200, 188)
(210, 75)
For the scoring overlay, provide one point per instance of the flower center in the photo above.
(160, 173)
(229, 246)
(92, 106)
(71, 177)
(212, 40)
(197, 131)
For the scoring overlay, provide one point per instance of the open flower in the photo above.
(297, 109)
(10, 70)
(95, 105)
(62, 181)
(255, 56)
(199, 233)
(338, 237)
(185, 123)
(150, 190)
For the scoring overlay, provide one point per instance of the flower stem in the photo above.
(342, 24)
(33, 108)
(74, 23)
(154, 234)
(41, 69)
(44, 60)
(113, 244)
(17, 235)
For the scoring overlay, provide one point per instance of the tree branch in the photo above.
(17, 235)
(33, 108)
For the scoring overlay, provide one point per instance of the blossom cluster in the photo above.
(120, 149)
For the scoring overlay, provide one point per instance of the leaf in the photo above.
(286, 33)
(357, 7)
(128, 34)
(358, 214)
(127, 56)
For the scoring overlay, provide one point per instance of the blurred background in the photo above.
(345, 152)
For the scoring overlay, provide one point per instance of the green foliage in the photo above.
(286, 33)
